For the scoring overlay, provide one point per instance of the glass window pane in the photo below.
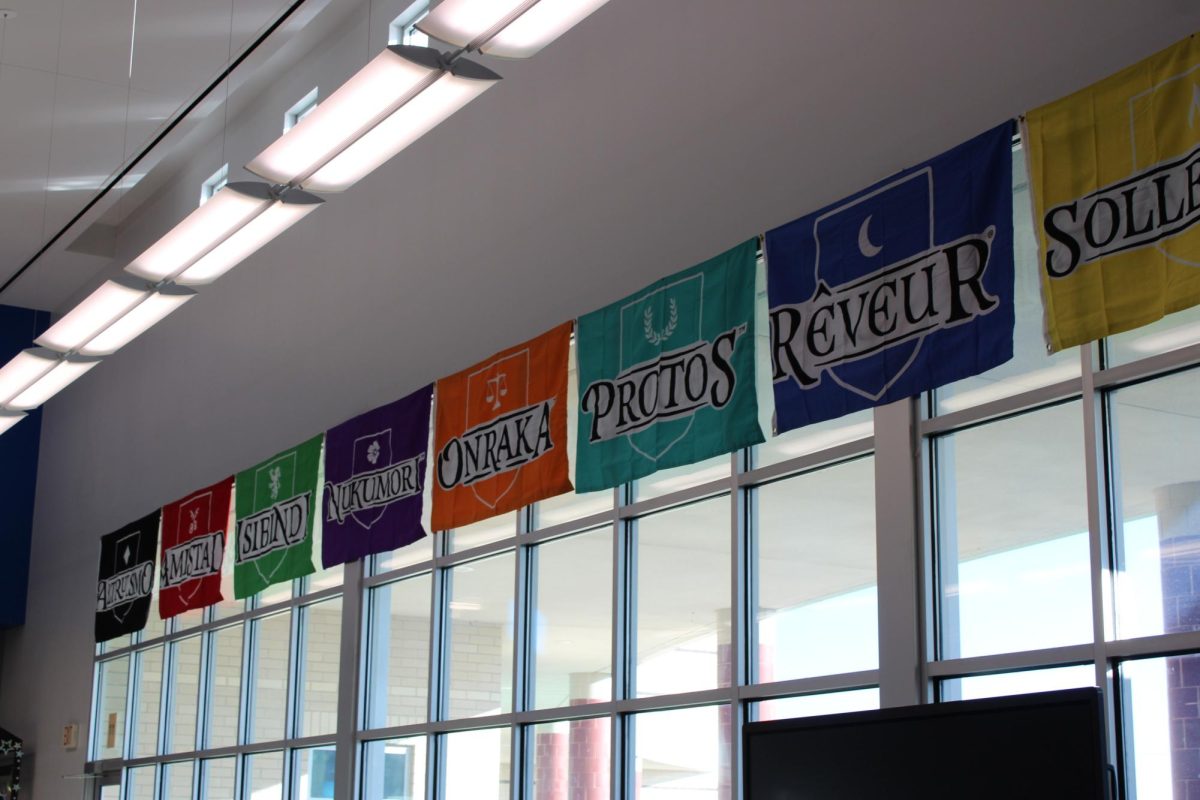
(324, 578)
(394, 769)
(672, 480)
(1030, 367)
(177, 781)
(149, 700)
(1023, 682)
(1013, 535)
(571, 759)
(269, 681)
(113, 688)
(229, 606)
(276, 593)
(477, 764)
(569, 506)
(224, 695)
(156, 626)
(817, 606)
(813, 705)
(680, 753)
(219, 779)
(1169, 333)
(321, 655)
(314, 777)
(264, 776)
(572, 627)
(140, 783)
(415, 553)
(188, 619)
(683, 596)
(398, 653)
(483, 532)
(184, 695)
(112, 645)
(1158, 707)
(1156, 433)
(481, 636)
(816, 437)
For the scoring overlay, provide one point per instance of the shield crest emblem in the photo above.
(885, 227)
(195, 517)
(493, 391)
(371, 453)
(669, 318)
(273, 482)
(124, 556)
(1164, 124)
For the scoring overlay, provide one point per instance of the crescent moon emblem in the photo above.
(865, 245)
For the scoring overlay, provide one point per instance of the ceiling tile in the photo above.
(181, 45)
(87, 145)
(95, 39)
(31, 38)
(24, 154)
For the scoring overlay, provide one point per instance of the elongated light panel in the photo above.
(10, 418)
(410, 122)
(23, 370)
(282, 214)
(235, 205)
(113, 300)
(357, 106)
(140, 319)
(467, 22)
(60, 376)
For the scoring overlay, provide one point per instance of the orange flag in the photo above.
(501, 432)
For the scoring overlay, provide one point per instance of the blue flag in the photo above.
(903, 287)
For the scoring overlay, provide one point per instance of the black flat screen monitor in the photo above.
(1034, 746)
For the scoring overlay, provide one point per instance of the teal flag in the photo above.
(666, 376)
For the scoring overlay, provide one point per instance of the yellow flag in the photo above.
(1115, 175)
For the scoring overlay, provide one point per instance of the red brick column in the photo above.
(550, 774)
(1178, 508)
(588, 774)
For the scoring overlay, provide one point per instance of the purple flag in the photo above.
(375, 480)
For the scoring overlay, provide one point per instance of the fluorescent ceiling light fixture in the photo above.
(37, 374)
(403, 93)
(293, 206)
(10, 418)
(99, 310)
(138, 320)
(505, 28)
(230, 210)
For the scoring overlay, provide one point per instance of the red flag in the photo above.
(193, 548)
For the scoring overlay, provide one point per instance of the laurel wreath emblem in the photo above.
(657, 337)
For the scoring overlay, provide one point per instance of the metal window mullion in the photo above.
(435, 762)
(1095, 457)
(623, 646)
(897, 514)
(246, 688)
(741, 659)
(523, 603)
(294, 686)
(128, 736)
(166, 704)
(349, 680)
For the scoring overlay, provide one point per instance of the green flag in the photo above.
(276, 503)
(666, 376)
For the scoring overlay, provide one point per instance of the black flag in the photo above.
(126, 578)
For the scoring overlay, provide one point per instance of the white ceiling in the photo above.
(84, 86)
